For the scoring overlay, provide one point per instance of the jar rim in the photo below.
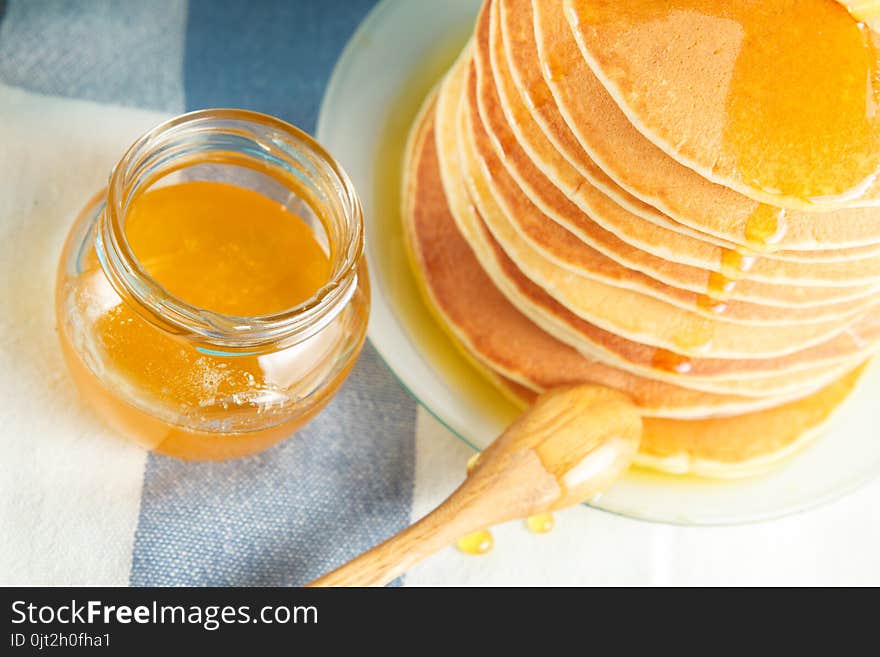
(232, 332)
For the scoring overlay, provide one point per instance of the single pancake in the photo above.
(774, 99)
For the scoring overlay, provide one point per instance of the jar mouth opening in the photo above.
(253, 140)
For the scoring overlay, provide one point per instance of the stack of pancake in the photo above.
(677, 199)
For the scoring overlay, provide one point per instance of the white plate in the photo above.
(389, 65)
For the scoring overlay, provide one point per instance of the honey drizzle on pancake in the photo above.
(688, 344)
(798, 82)
(669, 361)
(764, 229)
(734, 266)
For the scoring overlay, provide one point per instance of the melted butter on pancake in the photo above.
(796, 82)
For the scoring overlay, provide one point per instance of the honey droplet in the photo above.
(712, 304)
(696, 339)
(720, 286)
(540, 523)
(718, 292)
(669, 361)
(472, 462)
(735, 264)
(765, 227)
(480, 542)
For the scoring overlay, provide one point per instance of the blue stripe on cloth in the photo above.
(345, 482)
(103, 50)
(273, 56)
(284, 517)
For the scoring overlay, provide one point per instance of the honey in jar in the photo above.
(213, 298)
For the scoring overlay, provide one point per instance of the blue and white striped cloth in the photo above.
(79, 80)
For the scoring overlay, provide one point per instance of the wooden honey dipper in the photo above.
(571, 445)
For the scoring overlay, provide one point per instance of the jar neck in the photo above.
(261, 146)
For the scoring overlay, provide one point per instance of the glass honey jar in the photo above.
(213, 298)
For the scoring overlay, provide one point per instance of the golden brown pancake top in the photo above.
(776, 99)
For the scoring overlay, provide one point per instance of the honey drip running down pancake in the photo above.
(558, 237)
